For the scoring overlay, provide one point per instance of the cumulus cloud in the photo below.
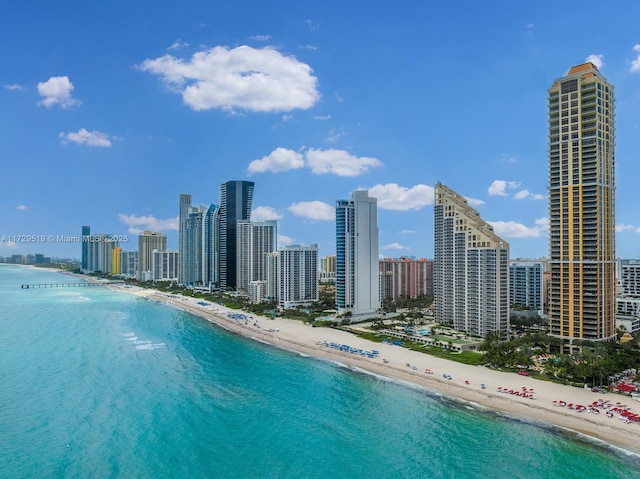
(474, 201)
(57, 91)
(85, 137)
(597, 60)
(8, 244)
(178, 44)
(313, 210)
(635, 64)
(395, 197)
(513, 229)
(138, 224)
(339, 162)
(521, 195)
(22, 207)
(13, 86)
(500, 187)
(285, 240)
(280, 159)
(396, 246)
(265, 213)
(238, 78)
(620, 228)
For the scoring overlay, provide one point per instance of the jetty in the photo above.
(68, 285)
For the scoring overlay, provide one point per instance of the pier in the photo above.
(67, 285)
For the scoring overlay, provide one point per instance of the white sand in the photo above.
(297, 336)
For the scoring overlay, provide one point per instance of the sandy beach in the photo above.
(412, 367)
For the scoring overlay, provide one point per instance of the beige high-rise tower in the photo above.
(581, 206)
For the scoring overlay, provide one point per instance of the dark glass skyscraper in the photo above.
(236, 198)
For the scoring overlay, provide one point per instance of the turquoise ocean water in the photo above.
(95, 383)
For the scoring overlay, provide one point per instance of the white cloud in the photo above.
(280, 159)
(85, 137)
(408, 232)
(509, 159)
(334, 136)
(57, 91)
(597, 60)
(621, 228)
(14, 86)
(22, 207)
(521, 195)
(500, 187)
(309, 47)
(339, 162)
(285, 240)
(313, 210)
(474, 201)
(239, 78)
(265, 213)
(261, 38)
(322, 117)
(395, 197)
(178, 44)
(396, 246)
(635, 64)
(138, 224)
(513, 229)
(8, 244)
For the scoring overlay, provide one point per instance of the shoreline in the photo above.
(464, 386)
(302, 339)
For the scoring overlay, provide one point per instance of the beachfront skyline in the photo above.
(109, 118)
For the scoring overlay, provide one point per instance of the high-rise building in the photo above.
(628, 298)
(99, 248)
(128, 263)
(471, 268)
(525, 284)
(86, 233)
(254, 241)
(406, 277)
(236, 198)
(581, 206)
(185, 206)
(357, 272)
(211, 247)
(193, 245)
(297, 276)
(164, 265)
(147, 242)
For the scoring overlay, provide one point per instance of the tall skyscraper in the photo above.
(185, 206)
(211, 249)
(254, 241)
(86, 233)
(581, 206)
(297, 276)
(147, 242)
(236, 198)
(357, 272)
(471, 268)
(194, 246)
(525, 284)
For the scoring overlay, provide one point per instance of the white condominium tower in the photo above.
(357, 272)
(253, 241)
(582, 258)
(297, 276)
(471, 268)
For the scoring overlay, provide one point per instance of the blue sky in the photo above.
(108, 113)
